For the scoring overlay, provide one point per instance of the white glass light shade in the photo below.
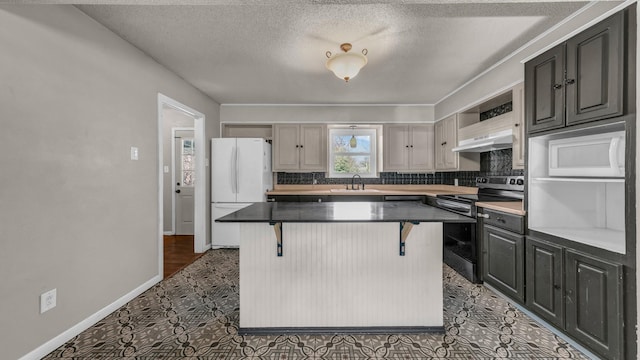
(346, 65)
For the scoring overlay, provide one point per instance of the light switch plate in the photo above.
(166, 169)
(134, 153)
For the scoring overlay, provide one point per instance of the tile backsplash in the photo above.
(497, 162)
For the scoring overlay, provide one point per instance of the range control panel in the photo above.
(501, 182)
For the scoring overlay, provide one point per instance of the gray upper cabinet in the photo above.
(578, 81)
(543, 78)
(594, 312)
(299, 147)
(409, 147)
(595, 64)
(446, 138)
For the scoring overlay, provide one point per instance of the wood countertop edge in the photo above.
(510, 207)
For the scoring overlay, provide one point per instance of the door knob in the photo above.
(178, 191)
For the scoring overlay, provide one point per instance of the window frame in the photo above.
(373, 153)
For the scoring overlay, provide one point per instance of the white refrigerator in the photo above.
(240, 176)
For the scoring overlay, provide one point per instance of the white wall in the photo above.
(325, 114)
(76, 213)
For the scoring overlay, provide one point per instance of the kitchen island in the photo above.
(341, 267)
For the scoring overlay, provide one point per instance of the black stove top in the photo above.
(491, 189)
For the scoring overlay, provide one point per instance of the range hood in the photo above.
(495, 141)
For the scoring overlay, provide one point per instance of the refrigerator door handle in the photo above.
(237, 170)
(232, 173)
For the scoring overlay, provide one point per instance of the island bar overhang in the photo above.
(341, 268)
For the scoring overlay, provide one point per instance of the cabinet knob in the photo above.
(301, 146)
(516, 124)
(411, 145)
(297, 146)
(407, 146)
(570, 81)
(557, 287)
(444, 143)
(557, 86)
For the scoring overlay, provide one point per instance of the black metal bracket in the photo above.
(405, 229)
(277, 228)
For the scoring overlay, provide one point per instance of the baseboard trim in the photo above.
(369, 330)
(83, 325)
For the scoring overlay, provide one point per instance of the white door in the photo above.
(184, 175)
(225, 234)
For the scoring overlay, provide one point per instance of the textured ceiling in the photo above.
(275, 53)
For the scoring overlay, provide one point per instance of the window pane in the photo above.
(187, 178)
(342, 143)
(345, 164)
(187, 162)
(187, 147)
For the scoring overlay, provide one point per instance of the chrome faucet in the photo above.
(353, 181)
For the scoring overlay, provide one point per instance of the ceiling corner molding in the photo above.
(327, 105)
(579, 29)
(526, 45)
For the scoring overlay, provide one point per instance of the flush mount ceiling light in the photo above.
(346, 65)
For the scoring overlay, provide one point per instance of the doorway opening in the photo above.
(181, 190)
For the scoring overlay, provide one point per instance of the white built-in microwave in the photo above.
(599, 155)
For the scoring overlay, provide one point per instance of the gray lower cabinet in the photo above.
(578, 293)
(503, 261)
(594, 303)
(545, 284)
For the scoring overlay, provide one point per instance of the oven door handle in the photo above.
(452, 205)
(481, 215)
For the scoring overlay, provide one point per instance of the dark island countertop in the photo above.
(389, 211)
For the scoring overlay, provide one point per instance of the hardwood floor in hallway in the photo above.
(178, 253)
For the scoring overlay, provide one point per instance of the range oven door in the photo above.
(460, 249)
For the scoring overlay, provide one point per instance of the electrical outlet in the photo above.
(48, 301)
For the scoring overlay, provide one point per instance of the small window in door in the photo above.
(188, 164)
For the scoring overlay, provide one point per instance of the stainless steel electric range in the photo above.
(461, 245)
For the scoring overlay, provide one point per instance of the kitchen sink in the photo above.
(349, 191)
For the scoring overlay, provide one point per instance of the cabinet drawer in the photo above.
(503, 220)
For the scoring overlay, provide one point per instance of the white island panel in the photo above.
(341, 275)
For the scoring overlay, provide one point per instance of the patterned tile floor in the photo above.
(194, 315)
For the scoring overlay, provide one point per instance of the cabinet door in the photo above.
(545, 288)
(313, 147)
(595, 67)
(594, 303)
(421, 147)
(446, 138)
(439, 144)
(518, 127)
(544, 90)
(451, 141)
(286, 147)
(396, 147)
(503, 255)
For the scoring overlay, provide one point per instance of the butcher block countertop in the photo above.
(510, 207)
(430, 190)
